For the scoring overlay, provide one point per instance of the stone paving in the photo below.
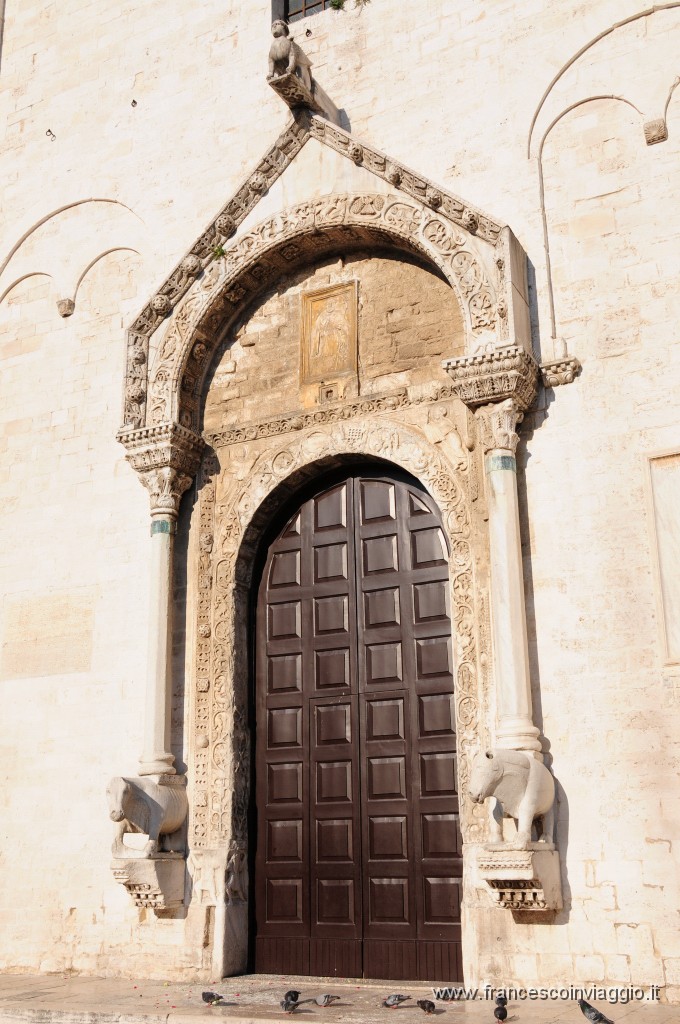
(253, 999)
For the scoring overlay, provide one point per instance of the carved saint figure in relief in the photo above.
(330, 337)
(286, 57)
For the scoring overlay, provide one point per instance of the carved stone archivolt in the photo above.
(235, 504)
(271, 250)
(214, 281)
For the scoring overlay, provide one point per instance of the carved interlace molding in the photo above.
(268, 252)
(508, 372)
(402, 398)
(560, 371)
(406, 180)
(441, 227)
(232, 510)
(166, 458)
(497, 424)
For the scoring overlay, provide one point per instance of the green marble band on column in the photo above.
(163, 526)
(501, 462)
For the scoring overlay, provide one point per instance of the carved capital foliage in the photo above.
(560, 371)
(497, 425)
(166, 458)
(509, 372)
(166, 487)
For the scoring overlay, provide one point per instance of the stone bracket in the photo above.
(560, 371)
(295, 93)
(155, 883)
(508, 372)
(522, 879)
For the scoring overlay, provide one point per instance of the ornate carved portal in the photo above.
(234, 510)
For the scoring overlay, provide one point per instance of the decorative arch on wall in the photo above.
(215, 282)
(648, 94)
(233, 515)
(275, 248)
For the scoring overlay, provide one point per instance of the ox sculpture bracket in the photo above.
(522, 873)
(156, 807)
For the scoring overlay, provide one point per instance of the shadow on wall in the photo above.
(2, 28)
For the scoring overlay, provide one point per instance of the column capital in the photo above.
(508, 372)
(497, 425)
(166, 458)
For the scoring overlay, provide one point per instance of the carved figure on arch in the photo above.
(286, 57)
(518, 786)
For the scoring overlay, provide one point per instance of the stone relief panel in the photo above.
(235, 505)
(328, 345)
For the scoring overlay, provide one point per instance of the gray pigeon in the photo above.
(426, 1005)
(593, 1015)
(290, 1005)
(212, 998)
(325, 999)
(394, 1000)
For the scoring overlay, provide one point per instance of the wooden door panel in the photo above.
(358, 866)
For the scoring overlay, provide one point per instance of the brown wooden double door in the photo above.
(358, 864)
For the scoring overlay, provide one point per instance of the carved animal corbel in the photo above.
(517, 786)
(153, 805)
(286, 57)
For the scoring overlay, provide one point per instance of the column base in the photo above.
(518, 734)
(160, 763)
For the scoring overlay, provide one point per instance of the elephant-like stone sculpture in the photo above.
(151, 806)
(520, 787)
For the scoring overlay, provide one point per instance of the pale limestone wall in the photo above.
(451, 93)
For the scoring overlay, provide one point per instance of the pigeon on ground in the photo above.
(394, 1000)
(291, 1005)
(501, 1001)
(426, 1005)
(293, 996)
(500, 1013)
(211, 998)
(593, 1015)
(325, 999)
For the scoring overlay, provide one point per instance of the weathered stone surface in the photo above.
(131, 190)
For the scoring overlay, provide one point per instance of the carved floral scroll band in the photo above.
(240, 503)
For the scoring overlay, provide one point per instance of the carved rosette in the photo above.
(166, 458)
(560, 371)
(497, 426)
(508, 372)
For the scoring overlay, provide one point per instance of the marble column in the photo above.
(166, 486)
(515, 728)
(500, 386)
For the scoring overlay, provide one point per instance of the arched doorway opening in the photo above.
(358, 862)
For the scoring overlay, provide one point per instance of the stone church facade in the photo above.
(391, 343)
